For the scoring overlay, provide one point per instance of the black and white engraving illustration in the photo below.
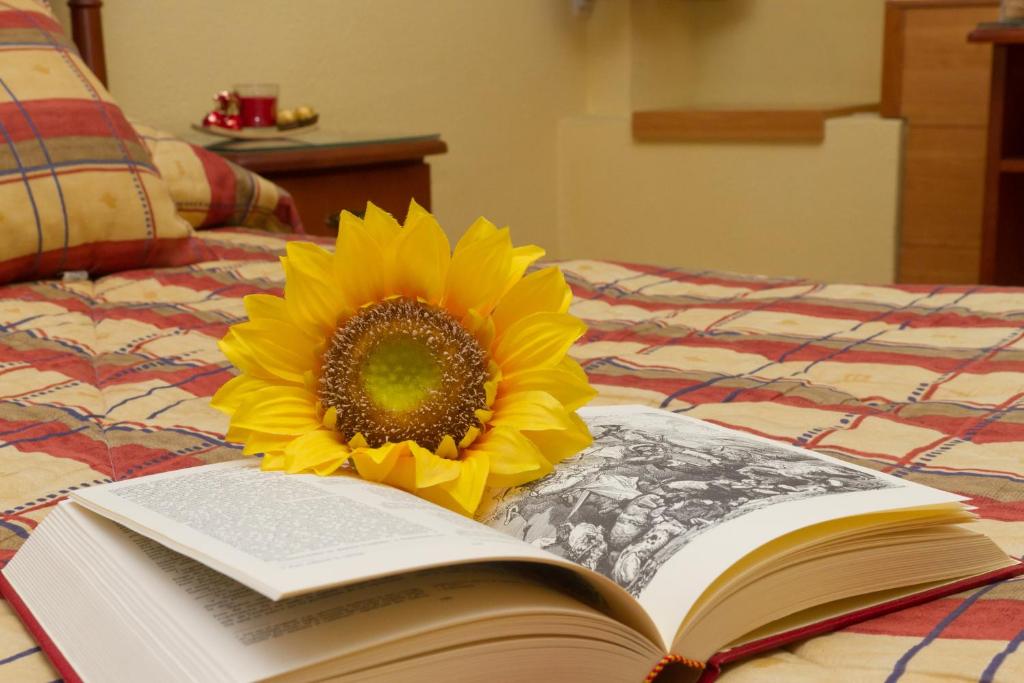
(651, 483)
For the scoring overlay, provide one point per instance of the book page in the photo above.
(663, 504)
(117, 582)
(284, 535)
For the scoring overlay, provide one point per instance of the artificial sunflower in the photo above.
(442, 373)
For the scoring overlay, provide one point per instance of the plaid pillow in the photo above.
(209, 190)
(78, 188)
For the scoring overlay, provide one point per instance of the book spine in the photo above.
(46, 644)
(672, 659)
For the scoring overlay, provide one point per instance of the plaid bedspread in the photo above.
(110, 379)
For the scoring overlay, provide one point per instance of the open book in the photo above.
(669, 540)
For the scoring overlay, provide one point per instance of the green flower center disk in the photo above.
(403, 370)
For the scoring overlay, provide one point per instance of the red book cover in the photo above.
(47, 645)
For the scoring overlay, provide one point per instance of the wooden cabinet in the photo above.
(1002, 242)
(939, 84)
(329, 177)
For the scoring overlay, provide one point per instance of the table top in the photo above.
(321, 149)
(1000, 33)
(317, 138)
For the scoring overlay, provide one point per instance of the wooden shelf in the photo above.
(1009, 34)
(1012, 165)
(738, 125)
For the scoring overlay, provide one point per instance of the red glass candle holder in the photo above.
(257, 104)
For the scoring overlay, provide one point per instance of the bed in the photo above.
(110, 378)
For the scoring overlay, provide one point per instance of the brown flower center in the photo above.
(401, 369)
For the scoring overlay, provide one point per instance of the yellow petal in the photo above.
(514, 459)
(235, 390)
(329, 466)
(447, 448)
(414, 213)
(466, 490)
(375, 464)
(359, 265)
(471, 435)
(538, 340)
(403, 475)
(279, 348)
(522, 257)
(570, 365)
(535, 410)
(557, 445)
(565, 385)
(432, 470)
(480, 326)
(330, 418)
(381, 225)
(543, 291)
(236, 434)
(477, 275)
(422, 257)
(257, 443)
(282, 410)
(242, 357)
(480, 230)
(272, 463)
(490, 392)
(267, 306)
(310, 292)
(313, 449)
(347, 221)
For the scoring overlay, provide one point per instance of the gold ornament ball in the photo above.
(286, 117)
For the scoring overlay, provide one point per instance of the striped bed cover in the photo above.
(110, 379)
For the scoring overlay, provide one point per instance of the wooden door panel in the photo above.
(943, 186)
(945, 79)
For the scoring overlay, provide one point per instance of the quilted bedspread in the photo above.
(111, 379)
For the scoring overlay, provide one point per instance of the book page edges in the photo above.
(816, 533)
(46, 644)
(622, 607)
(713, 667)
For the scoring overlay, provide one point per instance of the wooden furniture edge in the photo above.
(1012, 165)
(322, 158)
(908, 4)
(738, 125)
(1003, 35)
(892, 59)
(988, 269)
(892, 46)
(87, 32)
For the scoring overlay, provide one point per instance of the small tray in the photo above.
(268, 133)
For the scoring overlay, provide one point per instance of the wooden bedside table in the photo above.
(1002, 237)
(326, 173)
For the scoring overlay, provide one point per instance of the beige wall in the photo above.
(535, 103)
(827, 211)
(755, 53)
(824, 212)
(493, 76)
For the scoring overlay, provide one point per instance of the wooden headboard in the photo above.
(87, 32)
